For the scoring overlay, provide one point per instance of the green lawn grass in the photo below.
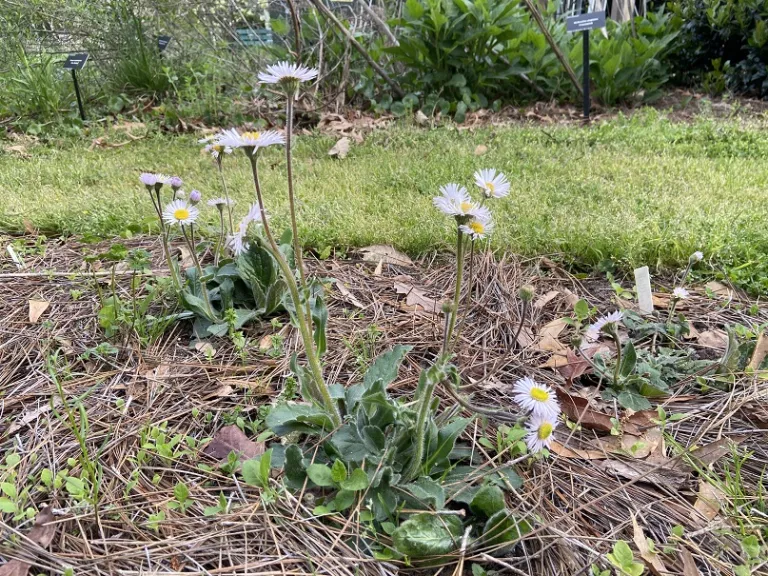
(639, 191)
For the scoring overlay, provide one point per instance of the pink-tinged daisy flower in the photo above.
(539, 399)
(478, 227)
(286, 73)
(680, 293)
(602, 324)
(493, 184)
(148, 179)
(249, 141)
(180, 212)
(540, 433)
(219, 202)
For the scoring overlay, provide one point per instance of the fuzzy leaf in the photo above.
(295, 472)
(446, 438)
(628, 359)
(503, 527)
(338, 472)
(427, 535)
(385, 367)
(427, 492)
(357, 481)
(633, 401)
(320, 474)
(348, 444)
(488, 501)
(286, 418)
(344, 499)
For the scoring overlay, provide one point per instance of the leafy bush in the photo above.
(629, 59)
(723, 43)
(35, 87)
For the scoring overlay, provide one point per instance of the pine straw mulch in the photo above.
(579, 502)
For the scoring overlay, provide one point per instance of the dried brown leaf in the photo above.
(417, 300)
(386, 254)
(689, 564)
(578, 410)
(719, 290)
(348, 296)
(36, 309)
(712, 452)
(651, 558)
(232, 439)
(481, 149)
(205, 347)
(649, 472)
(716, 339)
(708, 501)
(548, 334)
(44, 530)
(341, 148)
(186, 260)
(577, 453)
(761, 350)
(15, 568)
(545, 299)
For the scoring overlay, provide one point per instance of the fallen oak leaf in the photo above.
(232, 439)
(651, 558)
(716, 339)
(548, 334)
(661, 474)
(36, 309)
(576, 453)
(348, 296)
(545, 299)
(340, 149)
(712, 452)
(42, 534)
(386, 254)
(417, 300)
(708, 501)
(577, 410)
(689, 564)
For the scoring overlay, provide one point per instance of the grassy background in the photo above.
(641, 190)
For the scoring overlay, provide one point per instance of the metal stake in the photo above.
(585, 74)
(77, 93)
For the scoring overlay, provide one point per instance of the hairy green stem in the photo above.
(457, 291)
(297, 248)
(220, 243)
(301, 320)
(164, 234)
(523, 318)
(191, 243)
(617, 369)
(226, 194)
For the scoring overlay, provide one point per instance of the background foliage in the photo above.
(449, 56)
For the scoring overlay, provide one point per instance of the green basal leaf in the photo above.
(488, 501)
(286, 418)
(347, 443)
(386, 366)
(502, 527)
(374, 439)
(319, 313)
(295, 472)
(344, 499)
(338, 472)
(632, 400)
(357, 481)
(320, 474)
(427, 493)
(196, 305)
(427, 535)
(446, 438)
(628, 359)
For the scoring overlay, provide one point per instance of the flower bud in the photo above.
(175, 182)
(526, 293)
(195, 196)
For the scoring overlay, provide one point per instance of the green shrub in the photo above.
(35, 87)
(723, 43)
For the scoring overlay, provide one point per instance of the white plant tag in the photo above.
(643, 285)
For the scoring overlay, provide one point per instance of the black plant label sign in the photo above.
(162, 42)
(76, 61)
(583, 22)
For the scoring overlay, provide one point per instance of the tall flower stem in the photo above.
(617, 369)
(523, 318)
(164, 238)
(457, 291)
(190, 239)
(220, 243)
(291, 197)
(226, 194)
(301, 319)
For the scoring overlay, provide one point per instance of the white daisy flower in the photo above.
(216, 202)
(696, 256)
(455, 201)
(148, 179)
(216, 150)
(493, 184)
(478, 228)
(593, 332)
(254, 214)
(540, 432)
(287, 73)
(250, 141)
(237, 243)
(180, 212)
(680, 293)
(539, 399)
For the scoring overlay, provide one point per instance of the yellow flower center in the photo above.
(477, 227)
(539, 394)
(490, 186)
(218, 148)
(466, 206)
(181, 214)
(545, 431)
(251, 135)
